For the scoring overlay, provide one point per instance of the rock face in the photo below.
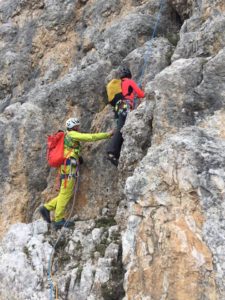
(94, 245)
(152, 229)
(178, 194)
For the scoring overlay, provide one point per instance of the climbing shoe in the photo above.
(45, 213)
(63, 223)
(112, 159)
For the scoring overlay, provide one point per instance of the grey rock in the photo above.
(198, 38)
(112, 251)
(97, 234)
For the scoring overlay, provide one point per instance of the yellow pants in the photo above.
(60, 202)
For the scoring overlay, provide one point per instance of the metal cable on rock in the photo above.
(148, 51)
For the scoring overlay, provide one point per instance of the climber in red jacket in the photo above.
(130, 90)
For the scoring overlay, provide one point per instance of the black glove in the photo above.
(80, 160)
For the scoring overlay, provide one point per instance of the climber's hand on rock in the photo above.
(112, 132)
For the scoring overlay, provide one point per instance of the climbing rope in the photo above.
(53, 285)
(148, 52)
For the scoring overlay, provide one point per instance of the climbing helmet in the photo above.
(125, 72)
(70, 123)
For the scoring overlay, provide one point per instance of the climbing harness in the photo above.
(148, 52)
(67, 162)
(123, 107)
(53, 285)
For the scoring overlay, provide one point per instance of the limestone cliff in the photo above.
(154, 228)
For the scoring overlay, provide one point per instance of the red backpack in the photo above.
(55, 149)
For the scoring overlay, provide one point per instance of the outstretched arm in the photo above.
(136, 89)
(89, 137)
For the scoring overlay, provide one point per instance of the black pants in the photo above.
(117, 139)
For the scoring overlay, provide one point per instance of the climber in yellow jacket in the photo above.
(68, 171)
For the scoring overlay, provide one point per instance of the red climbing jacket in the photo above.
(130, 89)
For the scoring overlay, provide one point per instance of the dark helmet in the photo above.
(125, 72)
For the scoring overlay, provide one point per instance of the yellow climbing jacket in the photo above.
(73, 139)
(72, 145)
